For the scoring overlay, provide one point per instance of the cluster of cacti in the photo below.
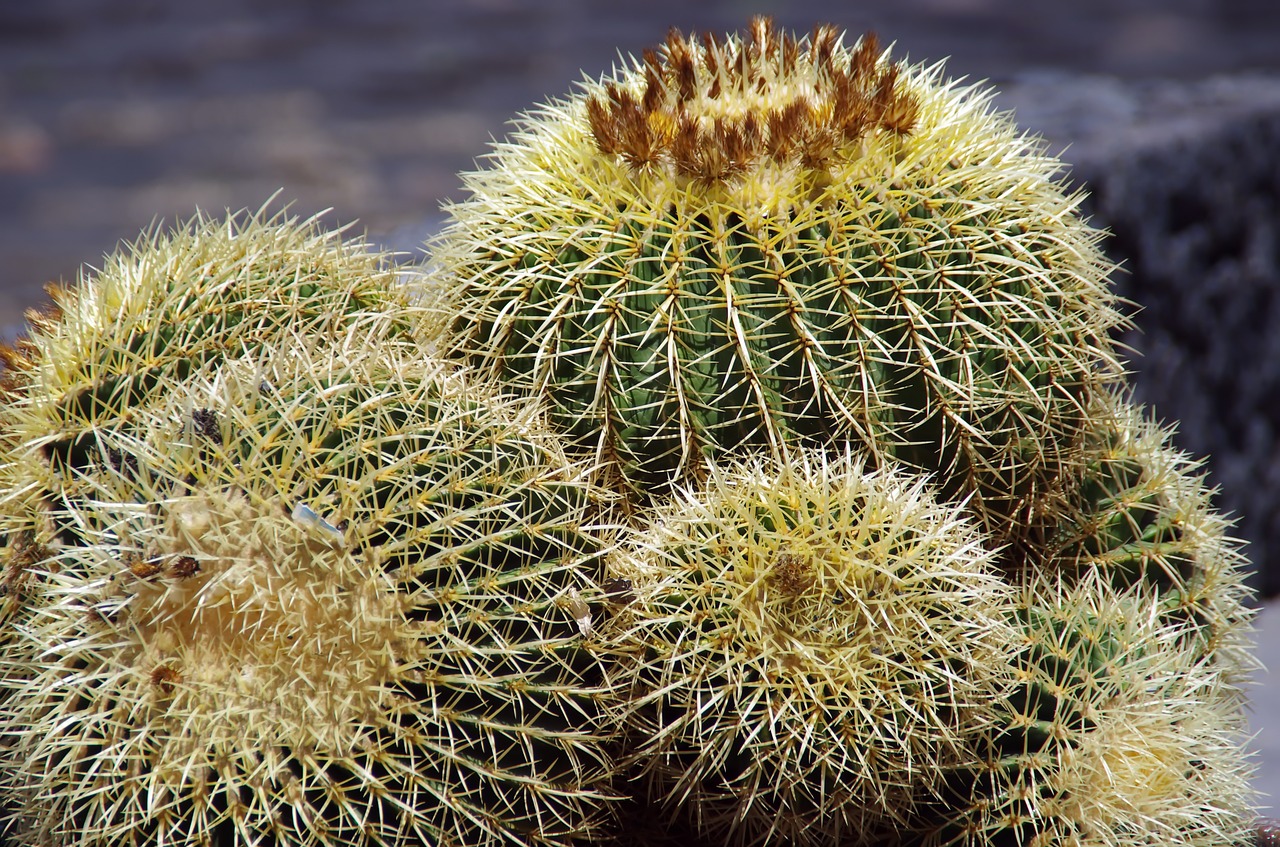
(757, 472)
(303, 588)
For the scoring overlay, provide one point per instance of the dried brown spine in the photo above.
(666, 123)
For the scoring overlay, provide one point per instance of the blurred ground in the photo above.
(114, 112)
(1264, 697)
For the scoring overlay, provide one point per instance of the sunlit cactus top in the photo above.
(175, 301)
(764, 241)
(712, 111)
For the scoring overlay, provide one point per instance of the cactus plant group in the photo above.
(759, 471)
(293, 579)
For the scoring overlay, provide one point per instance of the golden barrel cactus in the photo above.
(318, 600)
(810, 648)
(764, 241)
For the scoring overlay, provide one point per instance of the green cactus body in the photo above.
(1118, 734)
(809, 645)
(1143, 516)
(326, 601)
(763, 242)
(173, 302)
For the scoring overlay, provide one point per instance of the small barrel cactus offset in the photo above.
(172, 302)
(808, 644)
(1143, 516)
(323, 600)
(765, 241)
(1118, 736)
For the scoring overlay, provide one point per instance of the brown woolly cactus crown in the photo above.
(715, 113)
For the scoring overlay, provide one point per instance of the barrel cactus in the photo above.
(1118, 734)
(764, 241)
(808, 644)
(1142, 515)
(172, 301)
(322, 600)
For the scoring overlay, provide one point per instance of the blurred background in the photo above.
(116, 114)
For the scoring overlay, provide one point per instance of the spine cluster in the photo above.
(845, 611)
(713, 111)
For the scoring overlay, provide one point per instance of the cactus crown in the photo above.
(811, 641)
(173, 302)
(710, 111)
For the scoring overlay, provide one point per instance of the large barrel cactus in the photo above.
(764, 241)
(317, 600)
